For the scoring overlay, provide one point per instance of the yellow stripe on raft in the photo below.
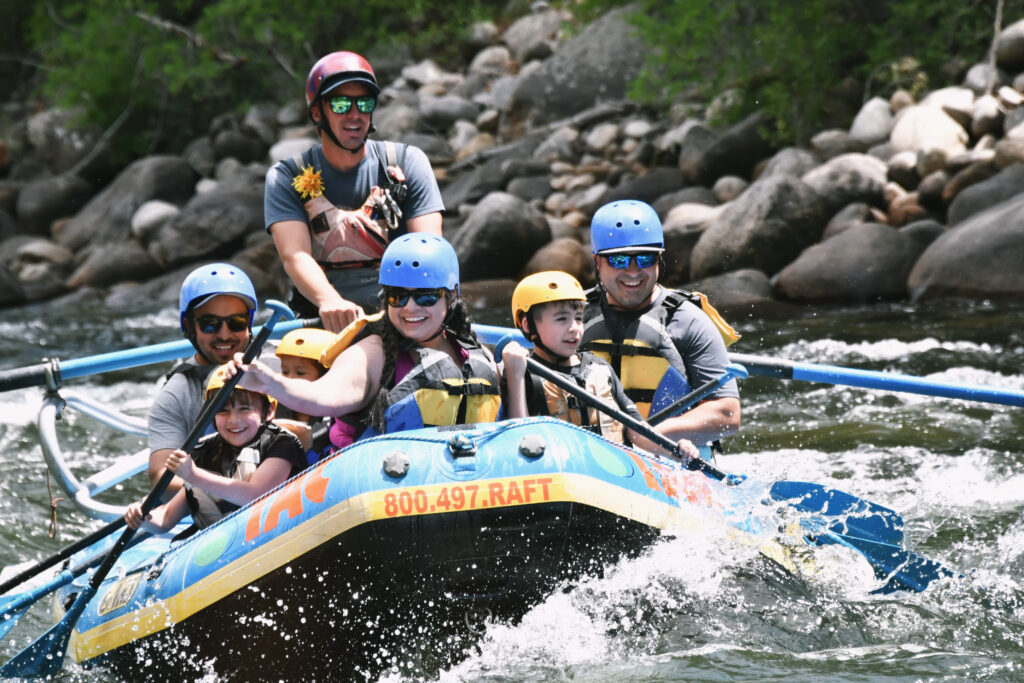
(368, 507)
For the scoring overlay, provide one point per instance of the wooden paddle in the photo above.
(46, 654)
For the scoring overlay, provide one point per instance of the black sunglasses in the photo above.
(398, 298)
(342, 104)
(210, 324)
(644, 259)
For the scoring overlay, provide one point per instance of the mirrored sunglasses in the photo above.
(210, 324)
(397, 298)
(644, 259)
(342, 104)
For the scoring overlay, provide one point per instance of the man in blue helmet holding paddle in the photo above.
(216, 308)
(662, 343)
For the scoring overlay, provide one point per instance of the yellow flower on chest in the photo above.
(309, 183)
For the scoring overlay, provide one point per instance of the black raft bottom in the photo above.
(409, 594)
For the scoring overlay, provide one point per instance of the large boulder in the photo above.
(980, 257)
(765, 228)
(596, 65)
(500, 236)
(848, 178)
(10, 289)
(735, 152)
(866, 262)
(107, 217)
(114, 263)
(1006, 184)
(209, 226)
(43, 201)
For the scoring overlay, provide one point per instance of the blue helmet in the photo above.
(626, 225)
(419, 260)
(209, 281)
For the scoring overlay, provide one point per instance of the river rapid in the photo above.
(698, 606)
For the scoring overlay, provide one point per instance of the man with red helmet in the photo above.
(333, 209)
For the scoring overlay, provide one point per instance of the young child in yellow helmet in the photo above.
(548, 308)
(246, 457)
(300, 352)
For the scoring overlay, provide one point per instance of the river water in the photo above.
(698, 606)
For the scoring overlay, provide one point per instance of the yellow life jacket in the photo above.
(546, 398)
(439, 392)
(643, 353)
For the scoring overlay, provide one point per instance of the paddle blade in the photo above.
(10, 618)
(855, 516)
(45, 655)
(901, 569)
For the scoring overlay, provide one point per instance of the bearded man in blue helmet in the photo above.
(216, 308)
(661, 342)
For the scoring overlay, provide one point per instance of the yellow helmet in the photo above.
(543, 287)
(218, 378)
(308, 342)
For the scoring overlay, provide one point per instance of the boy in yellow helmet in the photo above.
(301, 354)
(245, 458)
(548, 308)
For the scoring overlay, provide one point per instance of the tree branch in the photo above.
(192, 37)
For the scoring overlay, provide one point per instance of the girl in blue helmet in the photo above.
(416, 363)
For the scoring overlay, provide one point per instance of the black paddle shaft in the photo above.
(637, 426)
(202, 422)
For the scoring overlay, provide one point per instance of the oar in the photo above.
(869, 379)
(681, 405)
(153, 354)
(637, 426)
(871, 529)
(765, 366)
(13, 607)
(53, 372)
(46, 655)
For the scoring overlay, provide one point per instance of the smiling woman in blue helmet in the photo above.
(416, 363)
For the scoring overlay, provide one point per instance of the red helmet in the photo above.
(337, 68)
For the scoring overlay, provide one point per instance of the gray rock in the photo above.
(244, 147)
(1010, 47)
(565, 254)
(150, 217)
(988, 193)
(734, 152)
(582, 73)
(41, 202)
(765, 228)
(535, 36)
(110, 263)
(873, 122)
(867, 262)
(441, 112)
(209, 226)
(848, 178)
(11, 293)
(923, 232)
(980, 257)
(687, 195)
(499, 237)
(791, 161)
(647, 187)
(107, 217)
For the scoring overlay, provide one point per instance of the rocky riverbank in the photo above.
(916, 199)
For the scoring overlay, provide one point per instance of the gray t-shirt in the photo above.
(348, 190)
(177, 405)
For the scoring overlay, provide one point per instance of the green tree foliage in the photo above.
(158, 71)
(799, 61)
